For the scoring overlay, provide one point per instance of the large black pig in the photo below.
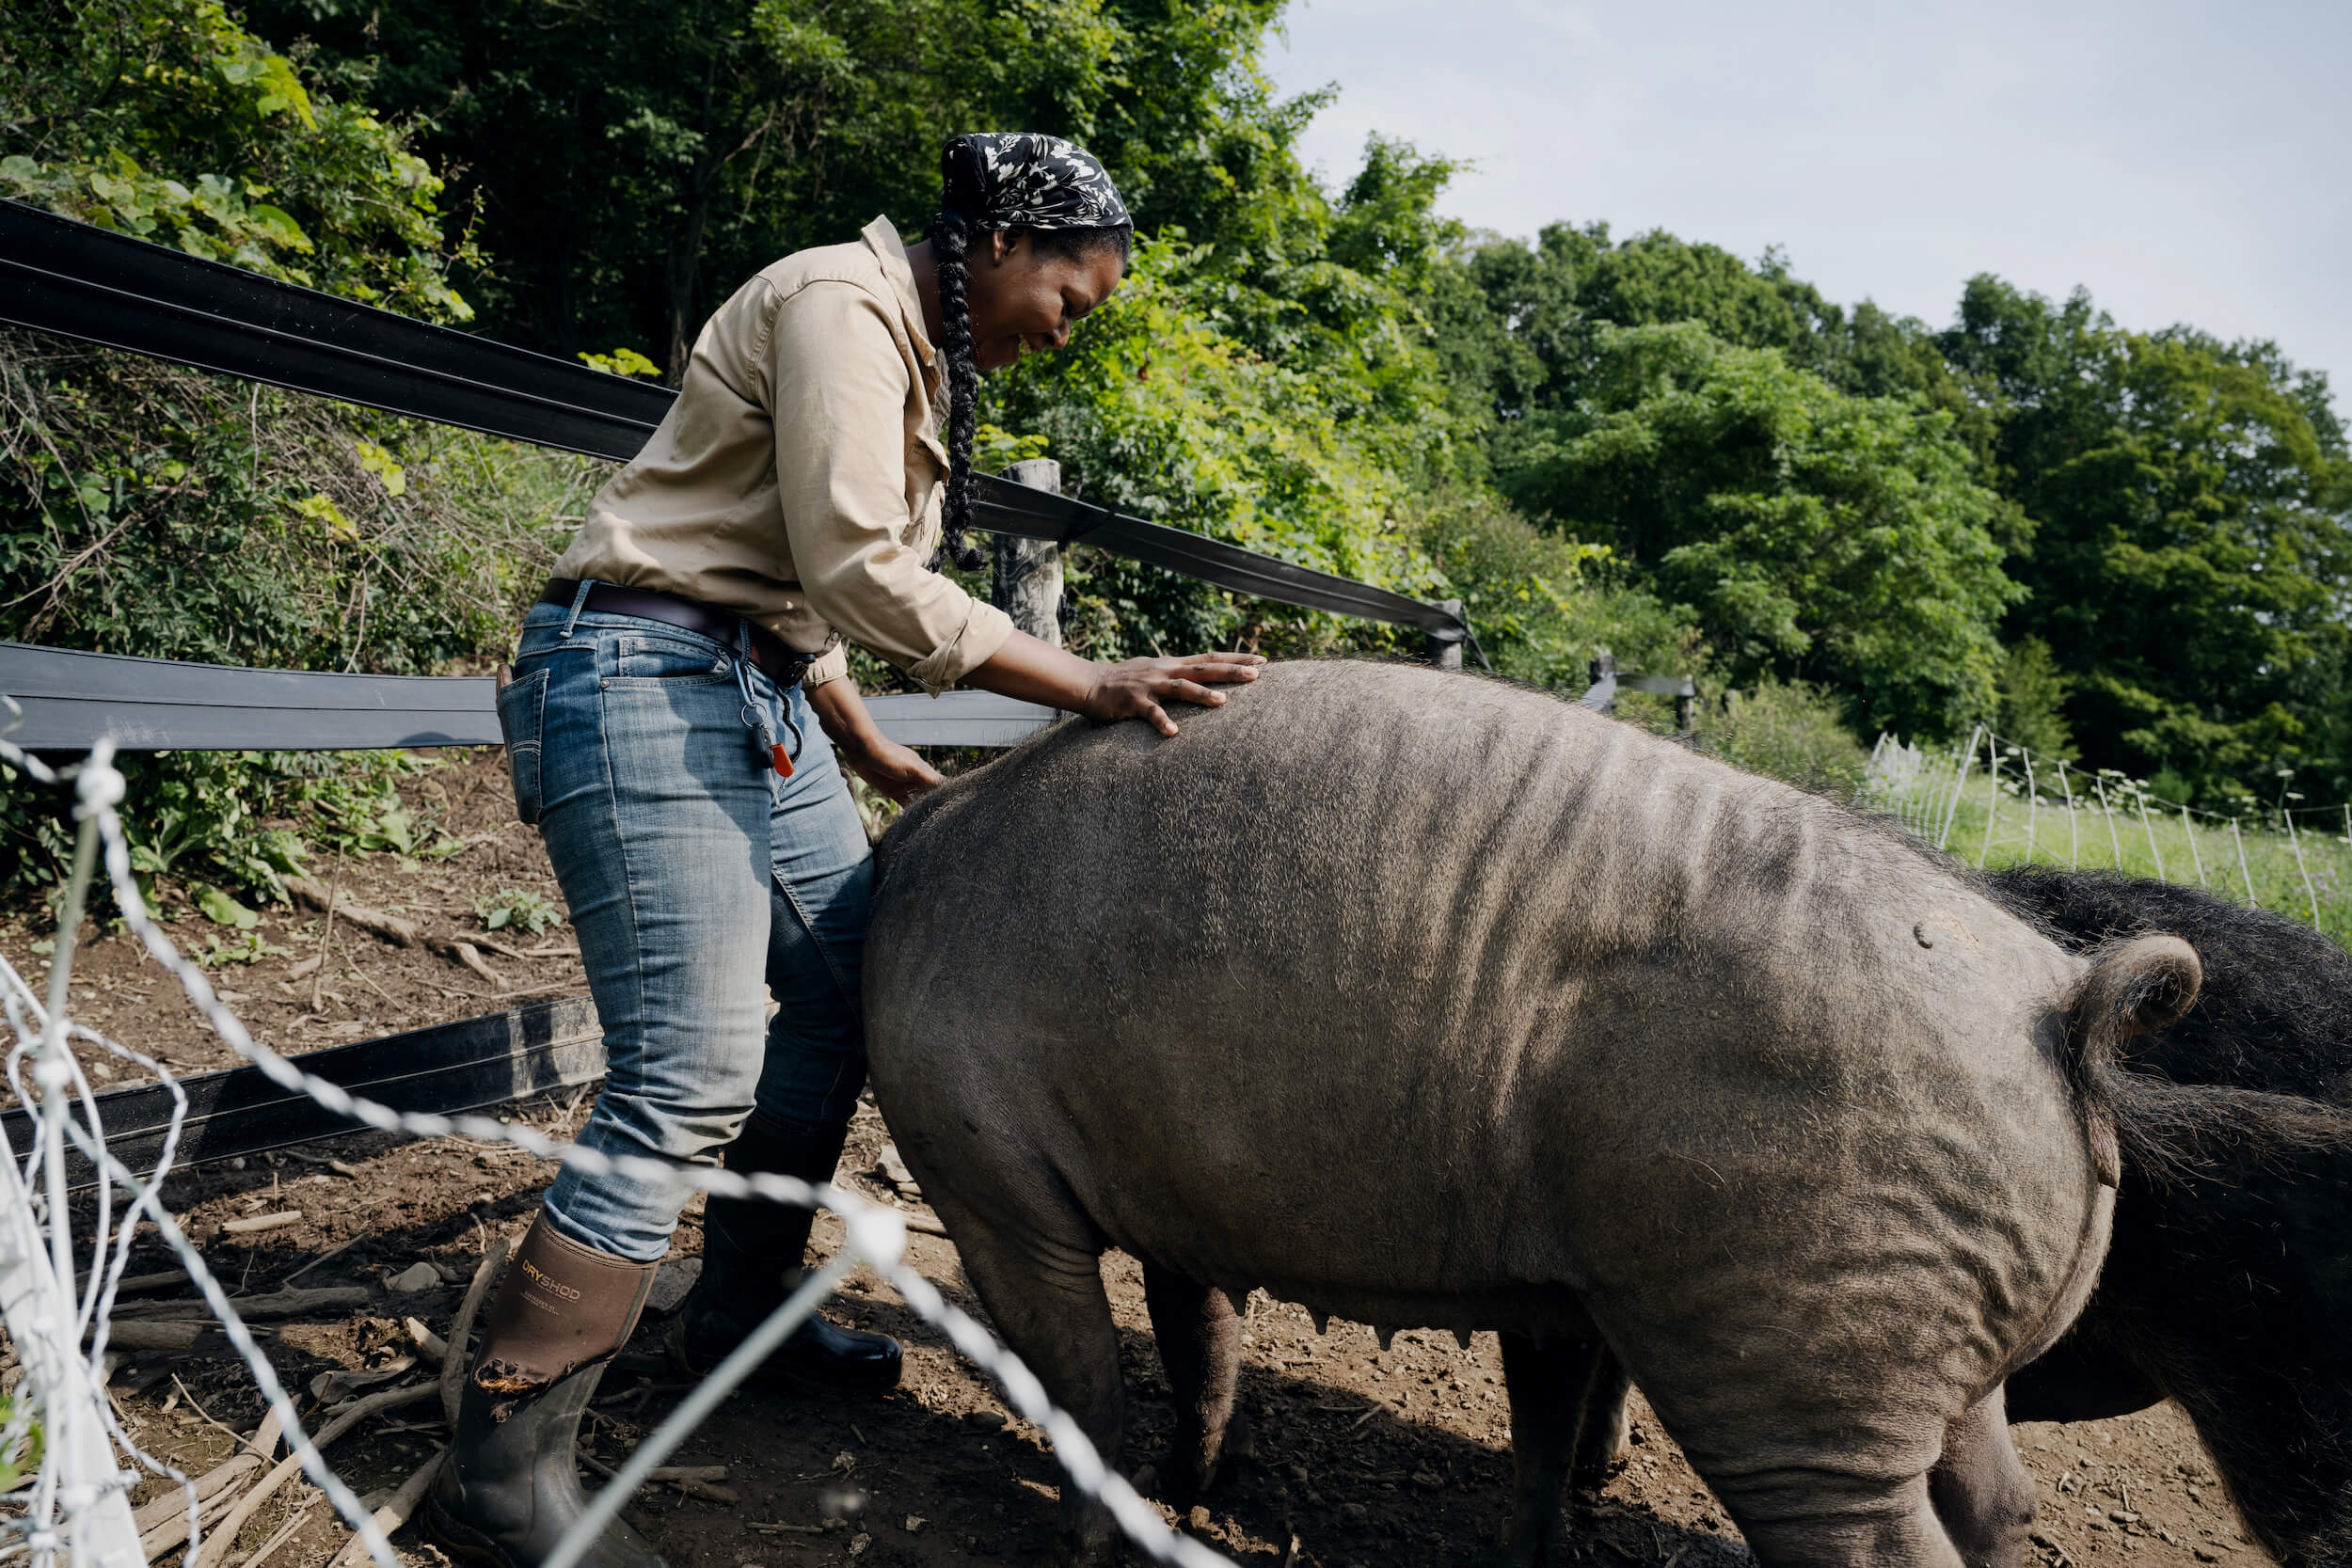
(2229, 1283)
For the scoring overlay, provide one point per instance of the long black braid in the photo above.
(950, 234)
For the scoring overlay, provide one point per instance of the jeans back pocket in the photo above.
(522, 718)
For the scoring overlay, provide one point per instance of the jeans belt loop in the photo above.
(580, 600)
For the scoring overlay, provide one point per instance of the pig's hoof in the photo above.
(1241, 1438)
(1588, 1483)
(1529, 1546)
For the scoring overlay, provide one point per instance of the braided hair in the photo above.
(1024, 183)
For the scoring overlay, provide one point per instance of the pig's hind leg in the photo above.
(1045, 1296)
(1981, 1488)
(1200, 1339)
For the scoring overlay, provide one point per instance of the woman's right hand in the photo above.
(1037, 671)
(1137, 688)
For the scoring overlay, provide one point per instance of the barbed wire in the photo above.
(63, 1507)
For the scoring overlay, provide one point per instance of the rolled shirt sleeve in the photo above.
(831, 665)
(837, 389)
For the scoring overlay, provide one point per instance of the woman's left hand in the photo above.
(892, 769)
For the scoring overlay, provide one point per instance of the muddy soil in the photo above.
(1363, 1456)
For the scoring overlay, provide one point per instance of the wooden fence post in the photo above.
(1445, 655)
(1027, 584)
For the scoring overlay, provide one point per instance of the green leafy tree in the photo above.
(1157, 409)
(1817, 535)
(2032, 710)
(2191, 555)
(630, 161)
(166, 120)
(150, 510)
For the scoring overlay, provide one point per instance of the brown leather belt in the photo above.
(784, 663)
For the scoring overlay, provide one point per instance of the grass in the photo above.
(1994, 823)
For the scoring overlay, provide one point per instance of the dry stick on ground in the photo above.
(470, 956)
(277, 1303)
(232, 1434)
(394, 1513)
(432, 1345)
(171, 1532)
(286, 1532)
(163, 1524)
(327, 935)
(180, 1335)
(394, 929)
(695, 1480)
(331, 1252)
(174, 1503)
(368, 981)
(454, 1359)
(138, 1283)
(216, 1541)
(256, 1223)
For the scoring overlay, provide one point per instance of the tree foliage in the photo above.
(630, 163)
(2191, 552)
(1816, 534)
(166, 120)
(2132, 545)
(2174, 508)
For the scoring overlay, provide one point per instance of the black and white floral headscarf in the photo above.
(1024, 179)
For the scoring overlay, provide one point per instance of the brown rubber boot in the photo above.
(511, 1487)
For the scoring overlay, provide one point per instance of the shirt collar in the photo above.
(881, 238)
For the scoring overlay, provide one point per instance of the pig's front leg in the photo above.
(1604, 1431)
(1547, 1384)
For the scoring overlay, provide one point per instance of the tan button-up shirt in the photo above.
(798, 479)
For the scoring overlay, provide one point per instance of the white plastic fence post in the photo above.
(2073, 839)
(2140, 795)
(1992, 794)
(2294, 839)
(2239, 839)
(2033, 800)
(1943, 836)
(80, 1488)
(2188, 830)
(2107, 809)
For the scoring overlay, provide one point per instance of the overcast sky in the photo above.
(2185, 162)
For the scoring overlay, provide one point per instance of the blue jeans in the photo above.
(700, 884)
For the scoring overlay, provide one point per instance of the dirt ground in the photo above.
(1364, 1457)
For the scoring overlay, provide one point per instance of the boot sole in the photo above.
(763, 1378)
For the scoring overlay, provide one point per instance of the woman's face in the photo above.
(1024, 300)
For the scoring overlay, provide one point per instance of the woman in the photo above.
(667, 726)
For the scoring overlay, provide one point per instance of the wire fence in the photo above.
(60, 1433)
(1997, 803)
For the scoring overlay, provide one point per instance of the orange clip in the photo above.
(784, 763)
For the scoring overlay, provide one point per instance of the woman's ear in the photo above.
(1000, 245)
